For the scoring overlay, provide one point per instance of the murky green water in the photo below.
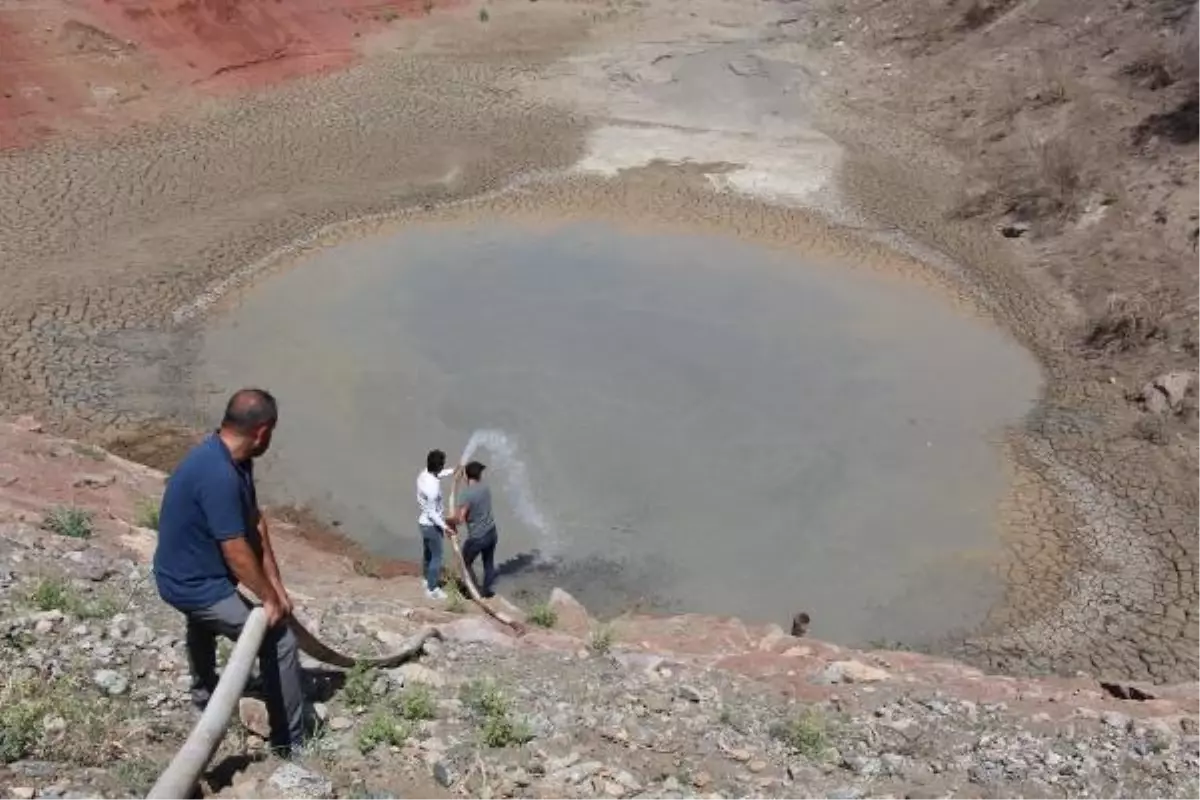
(716, 425)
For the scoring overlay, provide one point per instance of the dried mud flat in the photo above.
(115, 247)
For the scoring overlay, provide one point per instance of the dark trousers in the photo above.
(431, 555)
(484, 545)
(278, 664)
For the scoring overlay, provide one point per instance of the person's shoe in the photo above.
(435, 594)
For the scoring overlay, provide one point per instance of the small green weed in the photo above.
(543, 616)
(146, 514)
(69, 521)
(804, 734)
(382, 728)
(484, 698)
(455, 602)
(357, 689)
(91, 732)
(504, 731)
(497, 728)
(602, 640)
(20, 727)
(56, 594)
(416, 702)
(138, 774)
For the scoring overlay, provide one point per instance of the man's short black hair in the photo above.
(250, 409)
(435, 461)
(474, 470)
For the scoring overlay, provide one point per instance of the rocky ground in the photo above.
(1043, 160)
(95, 687)
(1041, 157)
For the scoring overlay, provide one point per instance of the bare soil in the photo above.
(1043, 159)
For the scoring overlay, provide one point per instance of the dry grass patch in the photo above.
(1127, 321)
(62, 719)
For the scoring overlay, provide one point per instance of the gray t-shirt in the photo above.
(478, 500)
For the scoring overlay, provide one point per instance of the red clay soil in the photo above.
(64, 63)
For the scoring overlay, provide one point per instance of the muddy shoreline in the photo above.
(112, 239)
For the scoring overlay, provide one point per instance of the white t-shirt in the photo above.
(429, 498)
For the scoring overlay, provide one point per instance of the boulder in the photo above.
(572, 616)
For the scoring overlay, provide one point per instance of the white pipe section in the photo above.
(181, 775)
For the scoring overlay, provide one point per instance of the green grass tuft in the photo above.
(543, 616)
(69, 521)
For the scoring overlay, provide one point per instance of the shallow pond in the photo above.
(706, 423)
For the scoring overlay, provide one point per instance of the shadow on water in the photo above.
(607, 587)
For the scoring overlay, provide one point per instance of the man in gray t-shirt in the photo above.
(475, 509)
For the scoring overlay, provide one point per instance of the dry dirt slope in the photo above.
(99, 63)
(1070, 133)
(93, 696)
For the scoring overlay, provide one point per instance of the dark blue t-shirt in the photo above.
(209, 499)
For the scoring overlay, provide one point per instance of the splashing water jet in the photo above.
(517, 487)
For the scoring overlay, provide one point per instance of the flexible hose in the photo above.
(180, 776)
(465, 573)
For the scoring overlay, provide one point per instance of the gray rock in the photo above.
(380, 686)
(22, 792)
(111, 682)
(689, 693)
(340, 723)
(850, 672)
(412, 672)
(1115, 719)
(441, 773)
(293, 780)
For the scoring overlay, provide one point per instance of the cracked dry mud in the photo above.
(109, 242)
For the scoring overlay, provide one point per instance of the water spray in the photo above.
(517, 487)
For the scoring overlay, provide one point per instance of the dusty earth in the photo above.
(1035, 164)
(94, 701)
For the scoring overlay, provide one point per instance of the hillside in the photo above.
(1035, 159)
(95, 691)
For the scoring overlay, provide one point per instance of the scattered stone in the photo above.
(28, 424)
(22, 792)
(756, 766)
(412, 672)
(111, 682)
(380, 686)
(1115, 719)
(851, 672)
(95, 481)
(1167, 392)
(441, 774)
(701, 779)
(54, 725)
(293, 780)
(253, 714)
(340, 723)
(689, 693)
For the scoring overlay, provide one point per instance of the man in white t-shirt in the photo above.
(432, 521)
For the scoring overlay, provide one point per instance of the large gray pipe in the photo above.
(180, 776)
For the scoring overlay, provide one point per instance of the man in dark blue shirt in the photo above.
(211, 537)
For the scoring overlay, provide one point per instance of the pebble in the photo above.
(756, 766)
(112, 682)
(22, 792)
(1115, 719)
(340, 723)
